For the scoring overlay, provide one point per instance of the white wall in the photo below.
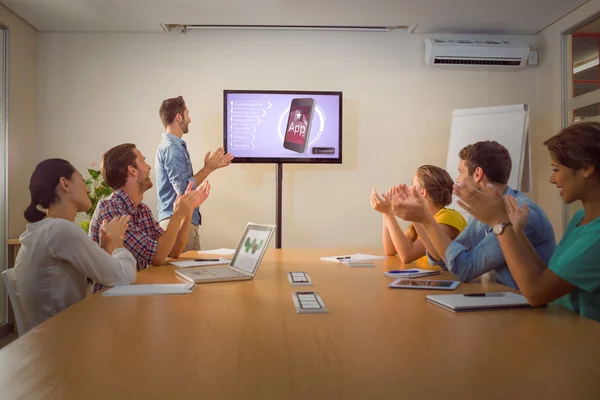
(547, 116)
(22, 116)
(99, 90)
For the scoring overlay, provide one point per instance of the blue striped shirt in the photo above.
(173, 174)
(477, 251)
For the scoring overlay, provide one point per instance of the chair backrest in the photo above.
(8, 277)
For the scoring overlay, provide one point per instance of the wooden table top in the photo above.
(245, 340)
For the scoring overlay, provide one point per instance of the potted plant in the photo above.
(97, 190)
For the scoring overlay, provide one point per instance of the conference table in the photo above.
(244, 340)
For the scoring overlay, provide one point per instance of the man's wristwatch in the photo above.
(499, 228)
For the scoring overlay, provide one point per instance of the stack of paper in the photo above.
(140, 290)
(353, 258)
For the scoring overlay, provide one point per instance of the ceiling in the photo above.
(430, 16)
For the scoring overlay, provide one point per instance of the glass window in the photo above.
(3, 169)
(583, 76)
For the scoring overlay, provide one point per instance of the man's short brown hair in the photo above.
(491, 157)
(115, 163)
(170, 108)
(576, 146)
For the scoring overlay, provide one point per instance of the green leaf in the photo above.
(85, 225)
(98, 189)
(94, 174)
(103, 191)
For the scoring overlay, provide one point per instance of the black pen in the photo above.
(483, 294)
(208, 259)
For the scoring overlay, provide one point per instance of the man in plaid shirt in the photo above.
(124, 168)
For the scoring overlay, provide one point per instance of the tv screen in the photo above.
(282, 126)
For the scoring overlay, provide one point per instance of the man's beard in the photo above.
(184, 127)
(144, 184)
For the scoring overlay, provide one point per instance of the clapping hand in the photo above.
(191, 199)
(517, 214)
(381, 204)
(218, 159)
(112, 233)
(408, 204)
(486, 205)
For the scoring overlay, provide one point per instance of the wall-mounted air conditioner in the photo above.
(476, 53)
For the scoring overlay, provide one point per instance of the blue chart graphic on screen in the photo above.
(252, 245)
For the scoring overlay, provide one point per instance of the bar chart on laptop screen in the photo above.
(252, 247)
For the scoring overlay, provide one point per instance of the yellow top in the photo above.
(446, 216)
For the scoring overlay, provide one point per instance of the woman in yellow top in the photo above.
(435, 185)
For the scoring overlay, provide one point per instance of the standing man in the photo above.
(174, 167)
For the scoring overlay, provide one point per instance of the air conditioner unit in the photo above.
(499, 54)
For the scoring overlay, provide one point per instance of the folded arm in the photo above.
(538, 283)
(70, 243)
(407, 250)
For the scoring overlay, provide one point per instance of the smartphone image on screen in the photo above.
(298, 125)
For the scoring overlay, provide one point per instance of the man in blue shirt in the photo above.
(174, 167)
(476, 250)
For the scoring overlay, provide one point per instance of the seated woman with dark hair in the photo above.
(56, 256)
(435, 185)
(572, 277)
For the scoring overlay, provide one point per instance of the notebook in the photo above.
(140, 290)
(478, 301)
(411, 273)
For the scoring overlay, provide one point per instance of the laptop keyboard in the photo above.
(221, 272)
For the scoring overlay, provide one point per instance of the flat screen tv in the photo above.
(262, 126)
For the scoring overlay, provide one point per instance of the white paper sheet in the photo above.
(199, 263)
(140, 290)
(353, 258)
(221, 252)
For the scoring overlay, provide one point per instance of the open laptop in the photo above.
(244, 263)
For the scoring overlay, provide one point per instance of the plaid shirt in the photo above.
(143, 231)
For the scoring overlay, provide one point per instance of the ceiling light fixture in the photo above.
(184, 28)
(291, 28)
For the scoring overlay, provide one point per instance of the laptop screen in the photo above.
(252, 247)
